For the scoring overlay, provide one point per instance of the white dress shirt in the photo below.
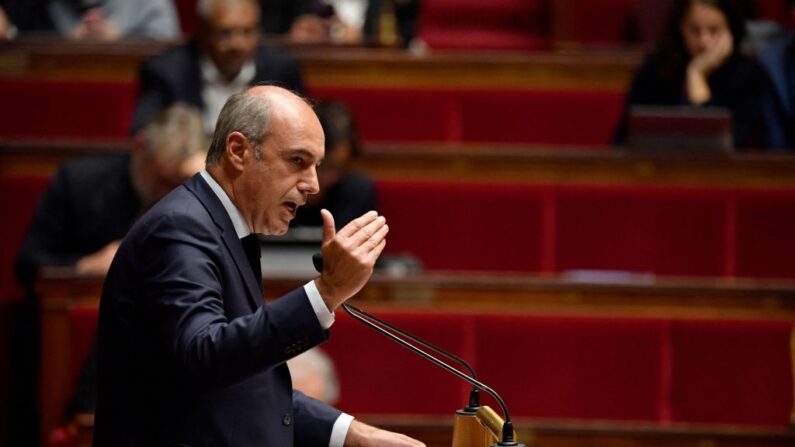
(215, 89)
(324, 316)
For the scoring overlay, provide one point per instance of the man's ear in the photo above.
(237, 150)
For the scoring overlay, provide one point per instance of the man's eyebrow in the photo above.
(303, 152)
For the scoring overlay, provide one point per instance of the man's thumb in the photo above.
(329, 230)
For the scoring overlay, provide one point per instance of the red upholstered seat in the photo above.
(465, 226)
(557, 117)
(378, 376)
(574, 367)
(600, 21)
(665, 230)
(18, 198)
(732, 372)
(385, 114)
(766, 234)
(475, 24)
(80, 109)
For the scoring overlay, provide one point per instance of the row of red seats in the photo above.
(98, 109)
(550, 228)
(659, 370)
(699, 231)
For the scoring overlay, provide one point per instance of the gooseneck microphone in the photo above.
(474, 398)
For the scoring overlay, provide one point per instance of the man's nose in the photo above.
(310, 183)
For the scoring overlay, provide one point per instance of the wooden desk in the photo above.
(47, 57)
(540, 165)
(490, 163)
(717, 298)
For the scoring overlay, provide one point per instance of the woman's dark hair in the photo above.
(671, 46)
(338, 125)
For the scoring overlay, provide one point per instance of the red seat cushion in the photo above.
(671, 231)
(474, 24)
(766, 234)
(732, 372)
(572, 367)
(465, 226)
(378, 376)
(80, 109)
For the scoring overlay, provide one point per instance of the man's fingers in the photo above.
(358, 223)
(376, 252)
(367, 232)
(374, 240)
(329, 231)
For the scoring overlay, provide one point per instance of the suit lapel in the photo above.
(234, 247)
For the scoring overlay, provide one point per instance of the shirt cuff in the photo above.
(340, 430)
(325, 317)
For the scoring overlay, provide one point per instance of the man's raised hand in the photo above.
(349, 256)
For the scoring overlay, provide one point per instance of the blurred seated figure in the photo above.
(224, 58)
(343, 22)
(698, 63)
(80, 219)
(779, 61)
(313, 374)
(345, 193)
(102, 20)
(21, 16)
(92, 202)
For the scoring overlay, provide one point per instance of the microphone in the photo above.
(507, 432)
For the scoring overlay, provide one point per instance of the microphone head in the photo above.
(317, 261)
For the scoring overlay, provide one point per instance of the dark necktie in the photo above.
(252, 249)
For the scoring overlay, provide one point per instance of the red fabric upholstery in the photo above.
(465, 226)
(540, 117)
(570, 367)
(673, 231)
(765, 242)
(18, 198)
(602, 21)
(81, 109)
(384, 114)
(378, 376)
(474, 24)
(481, 116)
(563, 367)
(732, 372)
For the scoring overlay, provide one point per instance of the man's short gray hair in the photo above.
(175, 133)
(245, 113)
(205, 8)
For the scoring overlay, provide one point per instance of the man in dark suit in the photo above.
(224, 58)
(188, 352)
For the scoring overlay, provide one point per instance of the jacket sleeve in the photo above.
(184, 292)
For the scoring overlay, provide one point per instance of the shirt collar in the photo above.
(235, 215)
(211, 75)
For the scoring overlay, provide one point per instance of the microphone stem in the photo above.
(352, 312)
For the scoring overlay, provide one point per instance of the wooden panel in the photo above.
(328, 66)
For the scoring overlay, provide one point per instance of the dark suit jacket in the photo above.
(188, 354)
(779, 61)
(75, 217)
(175, 76)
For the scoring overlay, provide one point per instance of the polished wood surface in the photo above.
(59, 289)
(46, 57)
(490, 163)
(543, 165)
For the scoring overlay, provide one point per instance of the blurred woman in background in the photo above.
(697, 62)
